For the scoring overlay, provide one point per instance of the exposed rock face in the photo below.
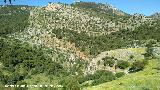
(53, 7)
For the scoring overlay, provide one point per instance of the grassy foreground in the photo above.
(148, 79)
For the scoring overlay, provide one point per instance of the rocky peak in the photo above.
(53, 6)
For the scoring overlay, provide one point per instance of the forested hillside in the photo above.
(76, 46)
(13, 19)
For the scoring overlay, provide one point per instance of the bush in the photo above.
(102, 76)
(122, 64)
(108, 61)
(70, 83)
(2, 79)
(137, 66)
(119, 74)
(98, 77)
(149, 49)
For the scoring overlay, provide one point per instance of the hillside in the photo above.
(91, 42)
(148, 79)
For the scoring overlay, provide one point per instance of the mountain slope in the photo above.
(92, 43)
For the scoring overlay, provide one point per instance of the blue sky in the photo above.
(146, 7)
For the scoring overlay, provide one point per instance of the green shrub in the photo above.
(98, 77)
(131, 57)
(109, 61)
(119, 74)
(149, 49)
(70, 83)
(102, 76)
(137, 66)
(122, 64)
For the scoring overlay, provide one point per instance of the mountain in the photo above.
(91, 42)
(101, 8)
